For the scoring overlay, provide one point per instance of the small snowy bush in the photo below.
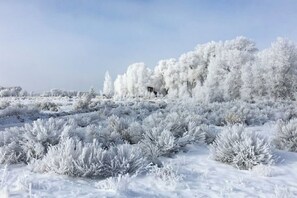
(120, 183)
(203, 133)
(166, 174)
(134, 133)
(241, 149)
(84, 103)
(38, 136)
(22, 144)
(19, 111)
(73, 158)
(286, 136)
(10, 148)
(4, 104)
(157, 143)
(234, 118)
(48, 106)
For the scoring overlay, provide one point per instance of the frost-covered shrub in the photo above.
(286, 136)
(59, 93)
(103, 135)
(241, 149)
(4, 104)
(48, 106)
(134, 133)
(203, 133)
(157, 142)
(84, 102)
(10, 91)
(19, 110)
(73, 158)
(233, 118)
(10, 148)
(38, 136)
(22, 144)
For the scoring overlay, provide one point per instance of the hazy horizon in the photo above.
(71, 44)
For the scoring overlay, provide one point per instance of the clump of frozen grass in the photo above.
(167, 174)
(286, 136)
(119, 183)
(263, 170)
(72, 157)
(241, 149)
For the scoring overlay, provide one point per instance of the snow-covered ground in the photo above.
(191, 172)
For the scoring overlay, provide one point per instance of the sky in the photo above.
(70, 44)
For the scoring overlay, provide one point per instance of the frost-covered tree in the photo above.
(218, 71)
(224, 80)
(134, 82)
(108, 86)
(280, 63)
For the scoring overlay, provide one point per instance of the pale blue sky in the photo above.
(69, 44)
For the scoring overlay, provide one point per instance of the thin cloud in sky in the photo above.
(70, 44)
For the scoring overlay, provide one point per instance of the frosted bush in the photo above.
(4, 104)
(157, 142)
(22, 144)
(84, 102)
(73, 158)
(103, 135)
(234, 118)
(11, 153)
(38, 136)
(117, 124)
(286, 136)
(19, 111)
(10, 148)
(241, 149)
(48, 106)
(203, 133)
(134, 133)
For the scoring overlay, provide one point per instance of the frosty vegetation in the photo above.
(216, 72)
(242, 149)
(60, 93)
(286, 137)
(126, 137)
(12, 91)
